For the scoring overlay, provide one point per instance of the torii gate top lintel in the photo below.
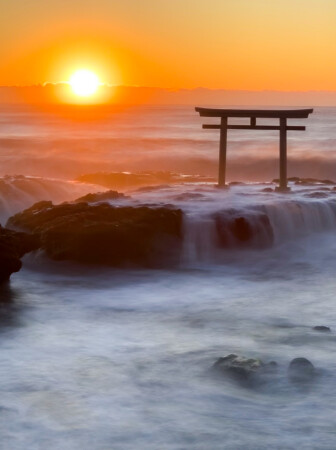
(253, 114)
(262, 113)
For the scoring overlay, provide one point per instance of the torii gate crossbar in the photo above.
(253, 115)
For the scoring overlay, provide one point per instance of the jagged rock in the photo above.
(243, 368)
(13, 245)
(322, 328)
(301, 370)
(100, 196)
(105, 234)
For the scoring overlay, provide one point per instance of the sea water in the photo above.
(99, 358)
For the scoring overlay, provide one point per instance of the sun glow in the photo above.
(84, 83)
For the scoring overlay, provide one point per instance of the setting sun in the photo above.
(84, 83)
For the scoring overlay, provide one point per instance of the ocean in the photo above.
(103, 358)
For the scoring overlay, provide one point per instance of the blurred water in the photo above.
(110, 359)
(65, 142)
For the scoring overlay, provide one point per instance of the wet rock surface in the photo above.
(301, 370)
(252, 230)
(307, 181)
(243, 369)
(13, 245)
(100, 196)
(253, 372)
(317, 194)
(105, 234)
(322, 329)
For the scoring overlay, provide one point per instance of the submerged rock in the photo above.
(306, 181)
(317, 194)
(105, 234)
(250, 230)
(301, 370)
(322, 328)
(237, 183)
(243, 368)
(13, 245)
(100, 196)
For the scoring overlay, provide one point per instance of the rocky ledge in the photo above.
(104, 234)
(13, 245)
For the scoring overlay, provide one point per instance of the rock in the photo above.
(248, 230)
(317, 194)
(301, 370)
(322, 328)
(306, 181)
(267, 190)
(13, 246)
(187, 196)
(105, 234)
(100, 196)
(243, 368)
(313, 181)
(153, 188)
(237, 183)
(241, 229)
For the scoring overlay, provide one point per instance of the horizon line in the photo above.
(170, 89)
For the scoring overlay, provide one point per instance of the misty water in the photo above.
(99, 358)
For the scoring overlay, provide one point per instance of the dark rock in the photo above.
(322, 328)
(301, 370)
(250, 230)
(242, 368)
(241, 229)
(100, 196)
(267, 190)
(13, 245)
(237, 183)
(187, 196)
(153, 188)
(317, 194)
(105, 234)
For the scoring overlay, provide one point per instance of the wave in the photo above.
(216, 222)
(19, 192)
(209, 236)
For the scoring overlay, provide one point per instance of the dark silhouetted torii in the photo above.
(253, 115)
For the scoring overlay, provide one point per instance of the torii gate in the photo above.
(253, 114)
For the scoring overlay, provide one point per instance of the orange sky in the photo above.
(230, 44)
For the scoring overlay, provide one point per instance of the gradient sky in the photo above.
(230, 44)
